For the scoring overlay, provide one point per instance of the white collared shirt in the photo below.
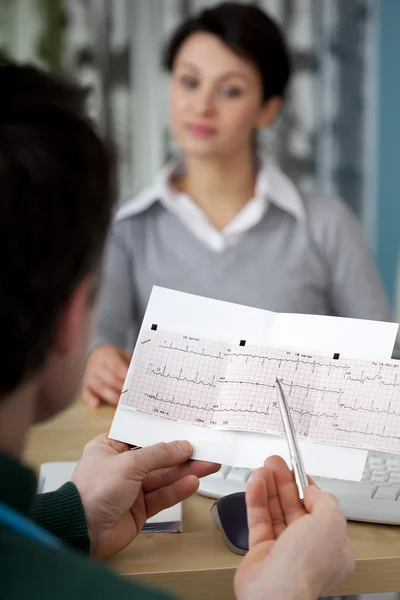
(272, 186)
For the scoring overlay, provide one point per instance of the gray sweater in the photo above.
(319, 265)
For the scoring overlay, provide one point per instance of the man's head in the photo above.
(56, 200)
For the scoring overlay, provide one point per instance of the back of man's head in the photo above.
(56, 199)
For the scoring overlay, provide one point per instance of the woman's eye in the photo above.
(231, 92)
(188, 81)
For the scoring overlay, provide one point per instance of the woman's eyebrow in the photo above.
(228, 75)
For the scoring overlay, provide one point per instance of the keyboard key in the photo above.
(362, 489)
(376, 460)
(236, 474)
(223, 472)
(387, 492)
(379, 470)
(380, 477)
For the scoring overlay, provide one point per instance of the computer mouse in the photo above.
(229, 514)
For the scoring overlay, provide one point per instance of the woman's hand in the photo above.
(104, 375)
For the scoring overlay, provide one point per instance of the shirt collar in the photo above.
(283, 192)
(271, 183)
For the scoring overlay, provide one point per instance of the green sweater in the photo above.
(32, 570)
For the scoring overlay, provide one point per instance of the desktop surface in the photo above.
(196, 564)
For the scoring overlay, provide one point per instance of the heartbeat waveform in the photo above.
(376, 377)
(287, 360)
(266, 413)
(371, 410)
(305, 387)
(391, 384)
(369, 433)
(291, 385)
(218, 409)
(317, 416)
(363, 379)
(179, 377)
(213, 383)
(220, 355)
(206, 408)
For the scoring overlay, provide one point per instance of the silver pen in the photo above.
(294, 450)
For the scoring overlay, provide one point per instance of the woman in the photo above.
(222, 221)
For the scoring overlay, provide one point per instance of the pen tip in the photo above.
(276, 380)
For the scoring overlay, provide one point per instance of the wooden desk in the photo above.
(196, 564)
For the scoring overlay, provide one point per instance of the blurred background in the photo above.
(340, 130)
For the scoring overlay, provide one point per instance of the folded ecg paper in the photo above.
(223, 386)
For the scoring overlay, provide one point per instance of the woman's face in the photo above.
(215, 99)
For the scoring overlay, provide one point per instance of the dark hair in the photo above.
(56, 199)
(248, 32)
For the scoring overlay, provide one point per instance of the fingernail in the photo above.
(185, 446)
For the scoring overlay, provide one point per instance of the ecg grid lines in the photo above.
(226, 386)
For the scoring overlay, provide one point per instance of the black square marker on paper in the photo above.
(242, 343)
(336, 355)
(154, 327)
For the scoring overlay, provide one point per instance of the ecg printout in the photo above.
(214, 384)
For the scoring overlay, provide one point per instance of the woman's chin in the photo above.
(204, 149)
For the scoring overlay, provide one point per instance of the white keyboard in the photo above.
(375, 499)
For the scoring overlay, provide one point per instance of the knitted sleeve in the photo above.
(61, 512)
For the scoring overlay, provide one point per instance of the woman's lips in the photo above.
(201, 130)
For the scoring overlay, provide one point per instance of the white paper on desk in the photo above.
(195, 315)
(166, 521)
(54, 474)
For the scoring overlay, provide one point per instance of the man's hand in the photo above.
(295, 551)
(121, 488)
(104, 375)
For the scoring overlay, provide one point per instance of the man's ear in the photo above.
(74, 316)
(269, 112)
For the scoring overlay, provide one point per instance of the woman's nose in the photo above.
(205, 103)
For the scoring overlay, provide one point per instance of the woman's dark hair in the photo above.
(248, 32)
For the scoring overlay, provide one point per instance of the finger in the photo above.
(170, 495)
(97, 387)
(90, 398)
(119, 447)
(140, 463)
(316, 500)
(287, 490)
(258, 515)
(163, 477)
(312, 482)
(126, 357)
(275, 508)
(112, 377)
(106, 375)
(115, 366)
(106, 444)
